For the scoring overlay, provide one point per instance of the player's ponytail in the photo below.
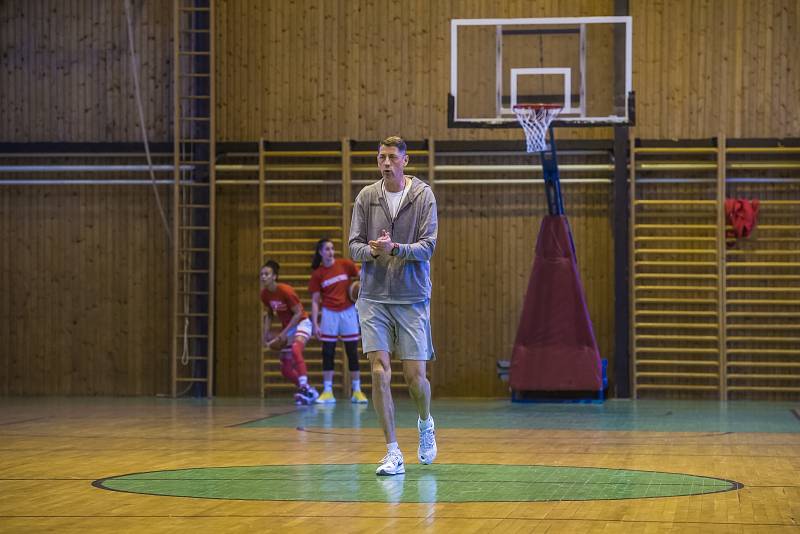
(317, 261)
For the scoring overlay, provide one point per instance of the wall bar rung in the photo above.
(670, 337)
(658, 300)
(786, 352)
(677, 288)
(679, 350)
(688, 363)
(774, 389)
(675, 374)
(777, 365)
(698, 326)
(679, 387)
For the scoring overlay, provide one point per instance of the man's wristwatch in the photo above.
(395, 250)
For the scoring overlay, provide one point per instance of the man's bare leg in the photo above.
(418, 386)
(382, 392)
(420, 389)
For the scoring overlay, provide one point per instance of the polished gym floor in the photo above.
(242, 465)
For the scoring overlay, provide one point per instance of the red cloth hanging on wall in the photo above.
(742, 214)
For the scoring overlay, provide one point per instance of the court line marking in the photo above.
(270, 416)
(6, 423)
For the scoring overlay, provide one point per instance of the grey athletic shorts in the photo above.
(404, 330)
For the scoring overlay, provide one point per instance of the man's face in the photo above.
(391, 162)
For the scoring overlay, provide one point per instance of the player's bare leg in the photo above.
(420, 389)
(392, 463)
(382, 392)
(418, 386)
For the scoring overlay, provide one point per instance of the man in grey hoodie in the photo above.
(393, 234)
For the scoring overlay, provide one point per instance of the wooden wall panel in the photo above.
(699, 68)
(392, 67)
(238, 326)
(65, 72)
(308, 70)
(479, 282)
(85, 292)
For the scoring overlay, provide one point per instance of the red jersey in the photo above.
(333, 282)
(281, 301)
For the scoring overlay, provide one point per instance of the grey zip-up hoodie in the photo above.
(406, 277)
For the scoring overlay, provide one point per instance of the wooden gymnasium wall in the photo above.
(318, 70)
(704, 68)
(84, 270)
(325, 70)
(65, 72)
(85, 298)
(309, 70)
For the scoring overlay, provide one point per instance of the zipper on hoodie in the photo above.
(385, 206)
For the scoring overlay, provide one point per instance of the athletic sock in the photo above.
(422, 425)
(302, 380)
(327, 386)
(299, 362)
(288, 370)
(356, 385)
(392, 447)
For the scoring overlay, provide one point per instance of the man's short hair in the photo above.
(394, 140)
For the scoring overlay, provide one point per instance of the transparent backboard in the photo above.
(580, 63)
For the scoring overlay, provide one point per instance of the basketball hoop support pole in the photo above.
(552, 184)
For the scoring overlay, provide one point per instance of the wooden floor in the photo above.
(108, 465)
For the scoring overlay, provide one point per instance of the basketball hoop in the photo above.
(535, 120)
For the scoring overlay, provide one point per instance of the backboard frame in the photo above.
(504, 115)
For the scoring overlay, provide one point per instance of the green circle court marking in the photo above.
(420, 484)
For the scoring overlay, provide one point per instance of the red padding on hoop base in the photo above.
(555, 348)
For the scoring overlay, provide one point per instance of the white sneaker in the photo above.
(391, 464)
(426, 452)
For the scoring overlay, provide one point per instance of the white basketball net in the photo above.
(535, 121)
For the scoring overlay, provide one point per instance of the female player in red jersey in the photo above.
(281, 300)
(329, 287)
